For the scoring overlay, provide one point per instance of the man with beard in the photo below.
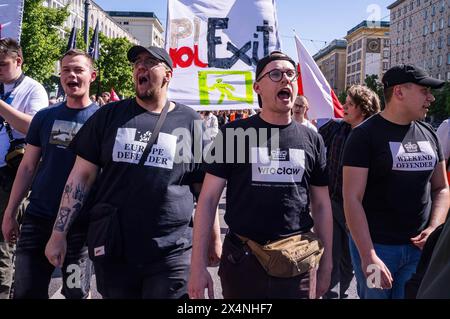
(46, 164)
(139, 152)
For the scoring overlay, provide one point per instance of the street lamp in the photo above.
(87, 3)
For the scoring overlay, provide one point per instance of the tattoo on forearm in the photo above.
(61, 220)
(79, 193)
(71, 204)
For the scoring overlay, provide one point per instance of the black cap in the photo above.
(273, 56)
(156, 52)
(407, 73)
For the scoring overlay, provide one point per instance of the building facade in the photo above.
(368, 51)
(107, 25)
(332, 61)
(145, 26)
(420, 35)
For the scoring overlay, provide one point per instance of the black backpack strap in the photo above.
(155, 133)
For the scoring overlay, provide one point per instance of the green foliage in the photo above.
(40, 40)
(342, 97)
(441, 107)
(374, 84)
(114, 70)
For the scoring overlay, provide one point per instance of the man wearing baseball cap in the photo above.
(139, 153)
(394, 185)
(268, 196)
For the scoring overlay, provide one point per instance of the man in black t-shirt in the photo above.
(394, 185)
(274, 169)
(141, 202)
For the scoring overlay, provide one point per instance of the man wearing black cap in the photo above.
(139, 152)
(394, 185)
(272, 177)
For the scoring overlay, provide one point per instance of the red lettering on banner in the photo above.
(184, 57)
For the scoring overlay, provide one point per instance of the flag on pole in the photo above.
(11, 14)
(323, 102)
(114, 97)
(94, 47)
(72, 43)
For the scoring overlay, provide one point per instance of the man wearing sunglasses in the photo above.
(140, 208)
(269, 192)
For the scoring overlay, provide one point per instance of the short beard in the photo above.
(148, 96)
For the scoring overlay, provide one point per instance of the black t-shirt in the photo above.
(154, 202)
(268, 185)
(401, 160)
(52, 129)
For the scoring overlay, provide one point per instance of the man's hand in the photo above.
(383, 280)
(198, 281)
(323, 278)
(214, 252)
(10, 228)
(420, 240)
(56, 248)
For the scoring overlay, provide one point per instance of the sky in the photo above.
(316, 22)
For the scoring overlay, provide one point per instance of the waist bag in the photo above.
(287, 257)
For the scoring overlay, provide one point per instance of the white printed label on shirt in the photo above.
(413, 156)
(278, 166)
(99, 251)
(63, 132)
(130, 144)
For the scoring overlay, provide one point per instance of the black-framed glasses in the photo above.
(148, 63)
(276, 75)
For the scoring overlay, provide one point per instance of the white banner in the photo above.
(215, 45)
(11, 12)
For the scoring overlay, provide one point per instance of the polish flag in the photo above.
(323, 102)
(114, 97)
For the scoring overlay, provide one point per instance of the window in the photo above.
(425, 14)
(409, 53)
(348, 69)
(432, 45)
(385, 66)
(126, 23)
(418, 2)
(448, 76)
(438, 76)
(386, 54)
(448, 58)
(425, 30)
(441, 24)
(439, 60)
(424, 47)
(358, 67)
(410, 37)
(442, 6)
(433, 10)
(410, 22)
(440, 40)
(397, 56)
(387, 42)
(433, 27)
(404, 24)
(393, 15)
(411, 6)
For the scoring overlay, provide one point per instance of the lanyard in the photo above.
(6, 96)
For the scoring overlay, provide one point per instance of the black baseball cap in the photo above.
(156, 52)
(273, 56)
(407, 73)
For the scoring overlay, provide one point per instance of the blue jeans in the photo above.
(401, 260)
(33, 270)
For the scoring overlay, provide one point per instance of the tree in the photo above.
(374, 84)
(40, 40)
(440, 109)
(342, 97)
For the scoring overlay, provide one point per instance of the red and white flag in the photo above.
(323, 102)
(114, 97)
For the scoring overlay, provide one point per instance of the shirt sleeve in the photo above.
(357, 149)
(215, 160)
(443, 134)
(33, 136)
(319, 176)
(37, 100)
(87, 142)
